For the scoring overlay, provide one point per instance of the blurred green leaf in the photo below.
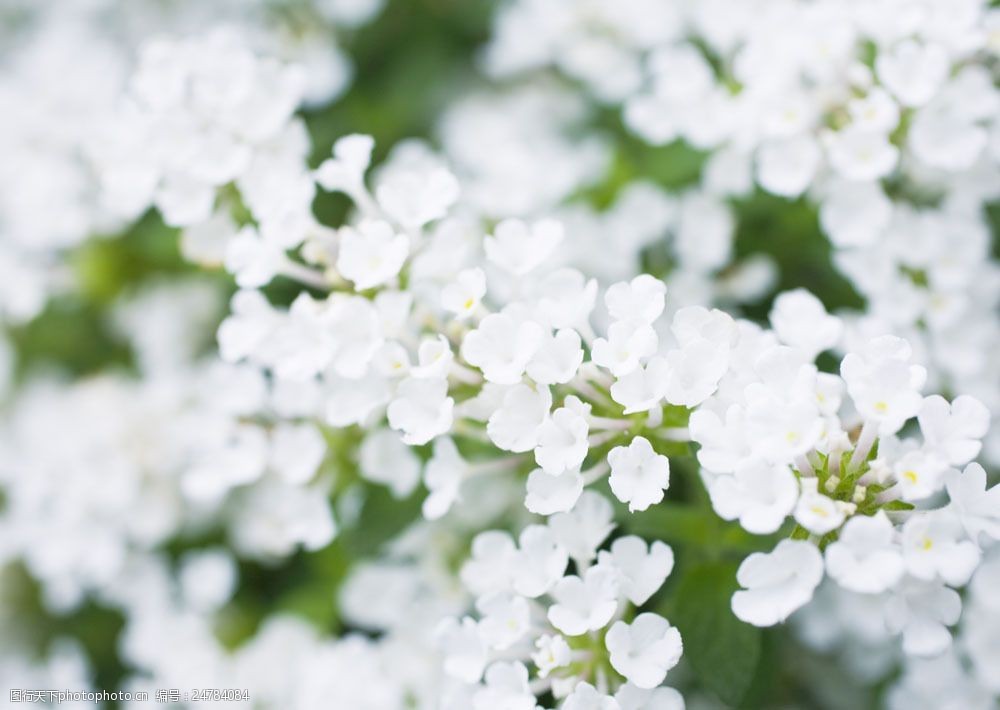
(723, 651)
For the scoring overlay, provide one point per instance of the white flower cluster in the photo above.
(529, 608)
(774, 432)
(882, 113)
(101, 167)
(181, 452)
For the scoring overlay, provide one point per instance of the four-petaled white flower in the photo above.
(777, 583)
(463, 296)
(760, 495)
(934, 548)
(586, 604)
(562, 438)
(642, 569)
(865, 558)
(884, 385)
(371, 254)
(421, 409)
(644, 650)
(502, 346)
(639, 475)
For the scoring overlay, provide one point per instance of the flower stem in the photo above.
(866, 439)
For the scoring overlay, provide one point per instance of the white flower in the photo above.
(553, 652)
(977, 508)
(912, 72)
(777, 583)
(465, 653)
(630, 697)
(207, 578)
(817, 513)
(562, 438)
(391, 360)
(539, 563)
(877, 111)
(829, 394)
(642, 388)
(703, 238)
(354, 401)
(505, 619)
(502, 346)
(861, 154)
(694, 371)
(304, 343)
(249, 325)
(238, 457)
(564, 298)
(953, 432)
(800, 320)
(865, 558)
(783, 427)
(933, 548)
(434, 358)
(641, 299)
(884, 386)
(583, 605)
(421, 409)
(587, 697)
(490, 566)
(922, 611)
(443, 478)
(387, 460)
(519, 248)
(944, 138)
(723, 443)
(296, 451)
(274, 518)
(644, 650)
(787, 166)
(516, 424)
(351, 322)
(414, 197)
(205, 243)
(463, 296)
(639, 475)
(628, 343)
(693, 324)
(371, 254)
(557, 359)
(548, 494)
(920, 475)
(506, 689)
(582, 530)
(758, 493)
(642, 571)
(252, 259)
(345, 171)
(854, 214)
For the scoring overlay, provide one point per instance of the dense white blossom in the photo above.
(455, 413)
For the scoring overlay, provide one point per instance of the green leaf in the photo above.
(723, 651)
